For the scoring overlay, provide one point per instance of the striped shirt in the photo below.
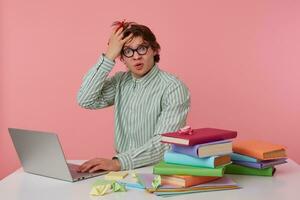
(144, 108)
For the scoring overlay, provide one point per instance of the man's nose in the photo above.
(136, 55)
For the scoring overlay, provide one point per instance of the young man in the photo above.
(148, 101)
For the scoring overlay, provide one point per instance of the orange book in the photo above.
(186, 181)
(259, 149)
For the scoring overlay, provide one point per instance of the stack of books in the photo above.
(254, 157)
(196, 157)
(146, 180)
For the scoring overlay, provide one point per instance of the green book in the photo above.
(239, 169)
(163, 168)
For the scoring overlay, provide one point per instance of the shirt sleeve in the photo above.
(97, 90)
(175, 107)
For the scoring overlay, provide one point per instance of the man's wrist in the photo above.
(116, 163)
(110, 57)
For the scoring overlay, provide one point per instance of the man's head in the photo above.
(141, 51)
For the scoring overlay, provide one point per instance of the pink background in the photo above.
(240, 60)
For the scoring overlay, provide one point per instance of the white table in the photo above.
(284, 185)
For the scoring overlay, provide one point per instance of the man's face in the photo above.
(142, 60)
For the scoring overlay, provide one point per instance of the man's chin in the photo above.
(140, 73)
(137, 74)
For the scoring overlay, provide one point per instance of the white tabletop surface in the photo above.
(20, 185)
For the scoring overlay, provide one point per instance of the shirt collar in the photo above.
(145, 80)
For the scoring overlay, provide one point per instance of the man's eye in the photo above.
(142, 48)
(126, 51)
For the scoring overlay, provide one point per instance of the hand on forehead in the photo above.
(135, 42)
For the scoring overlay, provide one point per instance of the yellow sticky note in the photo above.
(100, 190)
(116, 175)
(133, 174)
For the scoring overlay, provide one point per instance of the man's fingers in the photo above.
(99, 164)
(82, 166)
(95, 168)
(127, 38)
(87, 168)
(119, 30)
(114, 30)
(88, 164)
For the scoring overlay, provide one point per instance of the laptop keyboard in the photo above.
(77, 175)
(73, 167)
(82, 175)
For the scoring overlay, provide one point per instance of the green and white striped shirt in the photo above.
(144, 108)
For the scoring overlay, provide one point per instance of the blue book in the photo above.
(221, 147)
(208, 162)
(240, 157)
(262, 164)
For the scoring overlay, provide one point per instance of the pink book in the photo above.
(189, 137)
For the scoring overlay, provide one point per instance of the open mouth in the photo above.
(139, 66)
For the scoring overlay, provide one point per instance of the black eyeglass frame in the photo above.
(136, 50)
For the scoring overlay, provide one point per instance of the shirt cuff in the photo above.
(125, 161)
(105, 64)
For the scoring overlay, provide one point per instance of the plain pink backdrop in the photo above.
(240, 60)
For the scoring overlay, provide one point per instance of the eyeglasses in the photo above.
(129, 52)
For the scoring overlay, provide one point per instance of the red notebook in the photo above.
(197, 136)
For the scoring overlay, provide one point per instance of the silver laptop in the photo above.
(41, 153)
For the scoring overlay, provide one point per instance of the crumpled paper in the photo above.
(156, 182)
(133, 174)
(116, 175)
(118, 187)
(102, 187)
(100, 190)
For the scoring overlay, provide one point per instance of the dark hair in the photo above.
(143, 31)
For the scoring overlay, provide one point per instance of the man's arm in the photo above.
(175, 107)
(98, 91)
